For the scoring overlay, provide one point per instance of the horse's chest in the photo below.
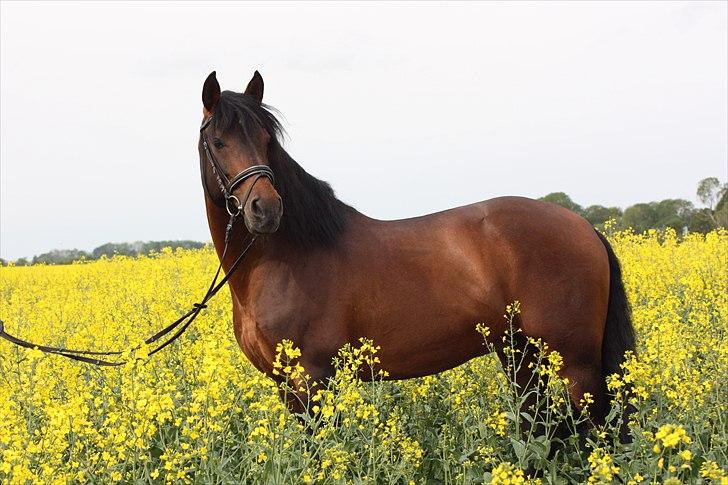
(258, 336)
(259, 351)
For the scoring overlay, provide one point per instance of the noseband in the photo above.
(228, 185)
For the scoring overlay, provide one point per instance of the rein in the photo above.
(183, 322)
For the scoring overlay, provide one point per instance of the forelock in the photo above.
(235, 111)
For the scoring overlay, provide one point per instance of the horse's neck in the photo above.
(286, 245)
(274, 246)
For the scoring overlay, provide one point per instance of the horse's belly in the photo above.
(423, 336)
(420, 360)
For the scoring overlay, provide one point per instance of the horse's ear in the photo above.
(255, 87)
(210, 92)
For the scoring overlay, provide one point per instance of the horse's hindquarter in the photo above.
(559, 271)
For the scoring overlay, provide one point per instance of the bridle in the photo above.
(226, 186)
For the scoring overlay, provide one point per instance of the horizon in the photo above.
(695, 201)
(611, 104)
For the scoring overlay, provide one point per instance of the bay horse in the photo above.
(322, 274)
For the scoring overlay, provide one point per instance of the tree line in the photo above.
(678, 214)
(139, 248)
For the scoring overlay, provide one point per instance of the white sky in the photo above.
(404, 109)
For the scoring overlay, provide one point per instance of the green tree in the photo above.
(598, 214)
(640, 217)
(156, 246)
(60, 256)
(110, 249)
(701, 220)
(712, 194)
(721, 210)
(674, 213)
(710, 191)
(562, 199)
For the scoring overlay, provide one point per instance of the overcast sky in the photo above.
(404, 109)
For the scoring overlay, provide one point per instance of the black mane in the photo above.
(312, 215)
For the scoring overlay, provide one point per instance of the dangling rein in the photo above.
(93, 357)
(234, 208)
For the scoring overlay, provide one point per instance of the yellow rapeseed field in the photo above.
(199, 412)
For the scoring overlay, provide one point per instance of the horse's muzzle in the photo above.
(263, 216)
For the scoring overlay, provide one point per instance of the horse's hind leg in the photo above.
(582, 368)
(586, 377)
(519, 362)
(531, 390)
(573, 326)
(583, 371)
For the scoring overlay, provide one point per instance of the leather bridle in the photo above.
(227, 186)
(182, 323)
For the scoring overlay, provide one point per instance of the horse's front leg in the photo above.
(298, 391)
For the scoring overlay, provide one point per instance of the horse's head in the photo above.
(236, 132)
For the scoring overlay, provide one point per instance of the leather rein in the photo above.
(234, 208)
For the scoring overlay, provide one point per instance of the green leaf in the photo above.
(612, 414)
(527, 417)
(520, 448)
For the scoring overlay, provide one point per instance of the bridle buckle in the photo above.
(237, 206)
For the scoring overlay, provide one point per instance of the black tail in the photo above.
(618, 332)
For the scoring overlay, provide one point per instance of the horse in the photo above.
(321, 274)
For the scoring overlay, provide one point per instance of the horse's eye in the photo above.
(218, 143)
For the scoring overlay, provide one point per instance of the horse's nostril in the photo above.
(255, 206)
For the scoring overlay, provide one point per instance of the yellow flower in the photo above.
(686, 455)
(602, 467)
(672, 435)
(507, 473)
(62, 421)
(712, 471)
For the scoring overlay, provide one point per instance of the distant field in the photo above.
(199, 412)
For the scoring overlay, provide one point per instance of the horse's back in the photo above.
(523, 236)
(521, 216)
